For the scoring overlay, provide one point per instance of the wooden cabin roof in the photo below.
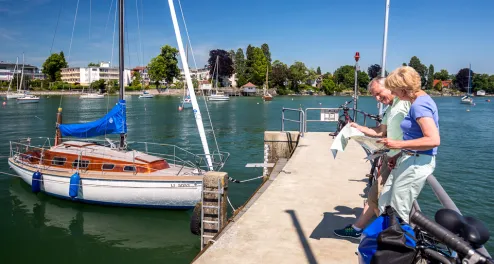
(99, 151)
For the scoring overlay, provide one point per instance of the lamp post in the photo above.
(355, 92)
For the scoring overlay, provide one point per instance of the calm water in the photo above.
(43, 229)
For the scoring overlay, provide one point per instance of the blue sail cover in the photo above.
(115, 122)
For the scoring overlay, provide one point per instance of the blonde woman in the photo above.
(418, 147)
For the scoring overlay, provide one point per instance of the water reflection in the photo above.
(118, 227)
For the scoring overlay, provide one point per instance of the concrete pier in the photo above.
(292, 216)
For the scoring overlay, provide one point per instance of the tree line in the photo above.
(253, 65)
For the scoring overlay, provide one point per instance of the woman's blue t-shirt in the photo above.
(423, 106)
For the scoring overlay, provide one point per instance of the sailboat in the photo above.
(107, 172)
(467, 99)
(266, 95)
(90, 95)
(26, 98)
(17, 94)
(186, 101)
(218, 96)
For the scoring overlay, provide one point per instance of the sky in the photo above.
(326, 33)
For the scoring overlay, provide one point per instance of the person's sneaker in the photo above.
(348, 231)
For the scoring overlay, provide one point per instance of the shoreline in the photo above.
(178, 92)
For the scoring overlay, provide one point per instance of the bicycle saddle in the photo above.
(469, 228)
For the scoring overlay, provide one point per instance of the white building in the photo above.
(87, 75)
(30, 72)
(199, 74)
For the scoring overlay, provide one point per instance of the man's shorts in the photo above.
(377, 185)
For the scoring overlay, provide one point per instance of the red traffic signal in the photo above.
(357, 56)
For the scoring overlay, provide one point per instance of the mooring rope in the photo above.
(238, 181)
(230, 203)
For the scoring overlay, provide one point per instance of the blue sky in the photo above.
(326, 33)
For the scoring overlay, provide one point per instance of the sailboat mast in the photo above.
(469, 78)
(15, 70)
(22, 75)
(195, 105)
(121, 69)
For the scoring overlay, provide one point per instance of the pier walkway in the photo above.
(292, 220)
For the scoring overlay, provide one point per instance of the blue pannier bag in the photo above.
(387, 240)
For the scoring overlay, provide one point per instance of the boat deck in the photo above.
(293, 219)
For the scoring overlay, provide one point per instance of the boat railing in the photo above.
(174, 155)
(300, 121)
(445, 201)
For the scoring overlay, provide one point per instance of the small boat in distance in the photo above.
(145, 94)
(467, 99)
(17, 93)
(28, 99)
(218, 96)
(266, 95)
(92, 96)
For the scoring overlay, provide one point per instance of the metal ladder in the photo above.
(219, 192)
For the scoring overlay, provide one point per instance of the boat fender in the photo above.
(74, 185)
(36, 182)
(195, 220)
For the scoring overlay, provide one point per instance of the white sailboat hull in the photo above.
(92, 96)
(153, 194)
(218, 98)
(146, 96)
(466, 100)
(15, 95)
(28, 100)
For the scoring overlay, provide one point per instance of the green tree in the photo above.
(99, 85)
(374, 71)
(344, 77)
(403, 64)
(259, 66)
(92, 64)
(420, 68)
(481, 82)
(442, 75)
(53, 65)
(240, 67)
(265, 50)
(231, 53)
(430, 77)
(318, 71)
(164, 66)
(328, 86)
(438, 86)
(136, 82)
(297, 74)
(249, 61)
(362, 80)
(279, 74)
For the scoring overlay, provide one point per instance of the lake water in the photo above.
(42, 229)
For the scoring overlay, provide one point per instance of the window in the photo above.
(58, 161)
(129, 168)
(108, 166)
(83, 164)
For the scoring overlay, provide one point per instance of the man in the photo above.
(390, 128)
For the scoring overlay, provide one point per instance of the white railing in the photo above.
(172, 154)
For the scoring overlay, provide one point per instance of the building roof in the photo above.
(249, 85)
(445, 83)
(139, 68)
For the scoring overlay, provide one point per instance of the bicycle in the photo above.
(344, 119)
(438, 242)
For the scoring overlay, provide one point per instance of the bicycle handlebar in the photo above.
(447, 237)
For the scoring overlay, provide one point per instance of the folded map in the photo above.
(370, 144)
